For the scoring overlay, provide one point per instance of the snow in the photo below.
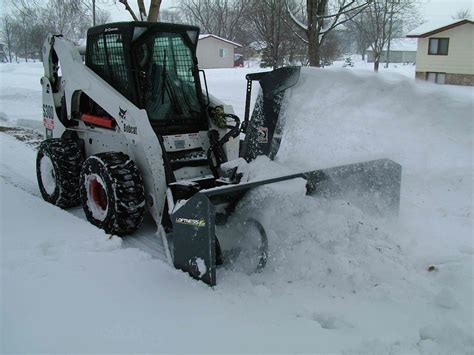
(20, 91)
(337, 280)
(433, 25)
(201, 266)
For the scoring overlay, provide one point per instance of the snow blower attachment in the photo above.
(132, 130)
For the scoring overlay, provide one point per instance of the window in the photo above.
(223, 52)
(437, 78)
(438, 46)
(105, 56)
(168, 87)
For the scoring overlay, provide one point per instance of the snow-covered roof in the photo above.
(432, 27)
(401, 44)
(203, 36)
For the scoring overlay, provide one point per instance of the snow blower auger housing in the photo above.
(133, 129)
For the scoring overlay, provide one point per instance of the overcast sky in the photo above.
(429, 9)
(440, 9)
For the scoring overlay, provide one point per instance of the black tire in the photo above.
(58, 166)
(112, 193)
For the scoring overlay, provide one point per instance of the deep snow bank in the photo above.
(20, 92)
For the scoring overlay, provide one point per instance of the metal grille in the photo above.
(171, 91)
(178, 56)
(106, 58)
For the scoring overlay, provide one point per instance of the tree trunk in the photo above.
(314, 8)
(314, 53)
(154, 10)
(9, 44)
(376, 63)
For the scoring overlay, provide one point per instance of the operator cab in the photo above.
(154, 65)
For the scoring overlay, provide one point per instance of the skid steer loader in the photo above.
(134, 129)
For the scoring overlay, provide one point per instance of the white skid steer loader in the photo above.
(132, 130)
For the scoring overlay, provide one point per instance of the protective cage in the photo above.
(110, 54)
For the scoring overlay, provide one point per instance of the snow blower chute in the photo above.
(133, 129)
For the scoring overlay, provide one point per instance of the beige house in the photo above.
(215, 52)
(445, 53)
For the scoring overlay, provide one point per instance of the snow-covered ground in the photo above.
(338, 280)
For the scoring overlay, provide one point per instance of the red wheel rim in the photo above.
(98, 193)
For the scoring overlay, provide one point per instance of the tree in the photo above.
(462, 14)
(331, 47)
(359, 38)
(172, 15)
(323, 16)
(102, 17)
(266, 26)
(224, 18)
(153, 10)
(32, 21)
(380, 19)
(7, 34)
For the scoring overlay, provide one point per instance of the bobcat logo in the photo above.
(122, 113)
(126, 128)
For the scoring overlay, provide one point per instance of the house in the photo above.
(445, 53)
(402, 50)
(215, 52)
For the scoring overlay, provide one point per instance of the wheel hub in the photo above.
(97, 199)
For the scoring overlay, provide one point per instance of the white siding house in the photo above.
(402, 50)
(445, 53)
(215, 52)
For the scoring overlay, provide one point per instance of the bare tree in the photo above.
(102, 17)
(266, 26)
(224, 18)
(462, 14)
(331, 47)
(172, 15)
(323, 16)
(359, 38)
(377, 21)
(31, 21)
(7, 34)
(153, 10)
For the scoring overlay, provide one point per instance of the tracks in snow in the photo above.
(145, 238)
